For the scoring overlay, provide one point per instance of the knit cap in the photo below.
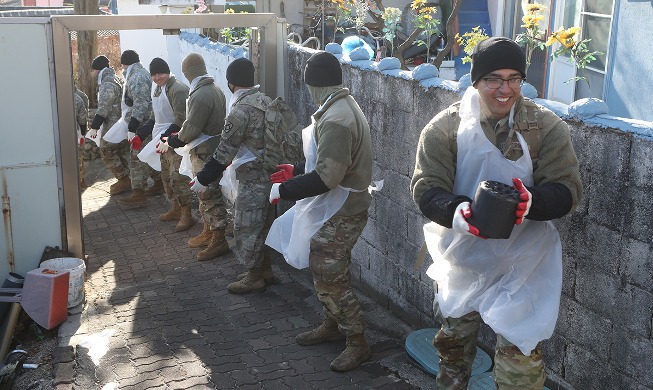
(193, 66)
(158, 65)
(323, 70)
(100, 62)
(241, 73)
(129, 57)
(497, 53)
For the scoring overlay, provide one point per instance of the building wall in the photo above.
(603, 336)
(632, 64)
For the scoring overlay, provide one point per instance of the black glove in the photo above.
(133, 125)
(171, 130)
(211, 172)
(129, 101)
(175, 142)
(439, 205)
(298, 169)
(146, 130)
(98, 120)
(550, 201)
(82, 129)
(302, 186)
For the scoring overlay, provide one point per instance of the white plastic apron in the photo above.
(164, 116)
(186, 166)
(513, 283)
(229, 183)
(118, 132)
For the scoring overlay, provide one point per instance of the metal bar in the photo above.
(6, 219)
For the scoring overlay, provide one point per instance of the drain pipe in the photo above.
(6, 218)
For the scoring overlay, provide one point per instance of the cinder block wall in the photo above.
(603, 337)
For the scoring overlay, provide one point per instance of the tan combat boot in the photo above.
(122, 185)
(266, 270)
(173, 214)
(155, 189)
(252, 282)
(136, 199)
(186, 219)
(218, 246)
(202, 239)
(326, 331)
(356, 353)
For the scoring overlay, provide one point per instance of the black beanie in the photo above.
(323, 70)
(158, 65)
(497, 53)
(129, 57)
(100, 62)
(241, 73)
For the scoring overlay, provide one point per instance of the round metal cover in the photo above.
(419, 346)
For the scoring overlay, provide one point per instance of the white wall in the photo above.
(147, 43)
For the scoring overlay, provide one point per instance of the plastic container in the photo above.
(493, 209)
(77, 270)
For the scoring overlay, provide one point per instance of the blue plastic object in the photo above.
(419, 346)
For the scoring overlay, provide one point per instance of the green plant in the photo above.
(424, 19)
(469, 40)
(391, 19)
(575, 47)
(531, 38)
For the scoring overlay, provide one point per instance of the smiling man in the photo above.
(514, 284)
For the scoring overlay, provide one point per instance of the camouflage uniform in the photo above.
(456, 345)
(253, 214)
(175, 183)
(113, 155)
(81, 121)
(137, 96)
(212, 204)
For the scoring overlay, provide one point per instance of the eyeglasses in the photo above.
(496, 83)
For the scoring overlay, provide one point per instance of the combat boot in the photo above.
(122, 185)
(202, 239)
(326, 331)
(186, 219)
(266, 270)
(136, 199)
(173, 214)
(218, 246)
(356, 353)
(156, 188)
(252, 282)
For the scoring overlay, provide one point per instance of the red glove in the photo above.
(81, 141)
(526, 199)
(284, 173)
(460, 224)
(136, 143)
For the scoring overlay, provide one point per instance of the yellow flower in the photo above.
(229, 11)
(531, 21)
(535, 8)
(417, 4)
(570, 32)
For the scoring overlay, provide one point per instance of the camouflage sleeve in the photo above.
(139, 90)
(109, 94)
(232, 136)
(81, 113)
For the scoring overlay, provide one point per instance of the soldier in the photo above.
(81, 123)
(114, 155)
(198, 137)
(244, 129)
(512, 284)
(168, 114)
(341, 166)
(137, 97)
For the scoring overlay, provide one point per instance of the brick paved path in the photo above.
(156, 318)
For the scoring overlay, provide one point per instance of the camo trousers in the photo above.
(139, 171)
(329, 262)
(456, 345)
(212, 206)
(253, 215)
(175, 183)
(115, 157)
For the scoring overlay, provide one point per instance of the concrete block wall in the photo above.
(603, 338)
